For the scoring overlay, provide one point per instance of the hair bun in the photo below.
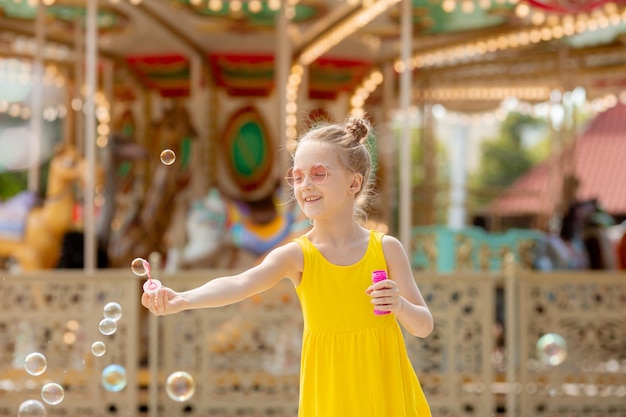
(358, 128)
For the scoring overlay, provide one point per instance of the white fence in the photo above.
(244, 358)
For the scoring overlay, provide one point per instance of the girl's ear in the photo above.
(357, 180)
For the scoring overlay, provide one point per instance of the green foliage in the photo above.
(12, 183)
(506, 158)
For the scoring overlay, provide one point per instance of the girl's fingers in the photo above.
(144, 300)
(158, 301)
(150, 301)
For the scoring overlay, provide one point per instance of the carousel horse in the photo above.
(144, 233)
(224, 233)
(596, 237)
(582, 242)
(31, 233)
(118, 159)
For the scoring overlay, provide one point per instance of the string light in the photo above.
(293, 84)
(345, 29)
(551, 27)
(363, 91)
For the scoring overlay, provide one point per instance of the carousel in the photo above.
(226, 85)
(156, 129)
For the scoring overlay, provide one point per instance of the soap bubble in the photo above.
(140, 267)
(168, 157)
(35, 363)
(114, 378)
(107, 326)
(52, 393)
(98, 348)
(113, 311)
(180, 386)
(31, 408)
(551, 349)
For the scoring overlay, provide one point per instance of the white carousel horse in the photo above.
(224, 233)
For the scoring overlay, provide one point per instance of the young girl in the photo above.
(354, 362)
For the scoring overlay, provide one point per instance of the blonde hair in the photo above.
(350, 138)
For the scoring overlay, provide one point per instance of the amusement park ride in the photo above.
(227, 83)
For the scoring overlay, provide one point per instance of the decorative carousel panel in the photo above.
(64, 14)
(572, 345)
(454, 363)
(168, 74)
(48, 329)
(245, 358)
(243, 75)
(247, 149)
(329, 76)
(252, 15)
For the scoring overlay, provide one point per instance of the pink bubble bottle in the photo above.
(377, 276)
(151, 285)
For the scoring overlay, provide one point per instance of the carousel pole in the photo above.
(405, 138)
(76, 100)
(458, 178)
(387, 145)
(282, 63)
(90, 136)
(37, 103)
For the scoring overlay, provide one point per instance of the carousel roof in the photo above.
(520, 47)
(599, 155)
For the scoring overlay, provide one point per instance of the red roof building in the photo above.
(600, 167)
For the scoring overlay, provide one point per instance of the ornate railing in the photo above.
(244, 359)
(441, 249)
(57, 314)
(588, 376)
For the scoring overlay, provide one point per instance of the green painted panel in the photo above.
(249, 149)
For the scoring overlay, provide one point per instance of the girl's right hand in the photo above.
(164, 301)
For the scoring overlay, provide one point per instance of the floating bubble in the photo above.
(168, 157)
(180, 386)
(140, 267)
(31, 408)
(52, 393)
(114, 378)
(107, 326)
(113, 311)
(98, 348)
(35, 363)
(551, 349)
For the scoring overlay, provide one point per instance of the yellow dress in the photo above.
(354, 363)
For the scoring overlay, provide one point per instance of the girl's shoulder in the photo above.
(393, 249)
(290, 251)
(291, 259)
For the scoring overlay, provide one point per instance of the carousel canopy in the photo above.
(504, 47)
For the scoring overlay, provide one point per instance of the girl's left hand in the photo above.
(385, 295)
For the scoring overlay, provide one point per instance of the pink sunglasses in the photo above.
(317, 173)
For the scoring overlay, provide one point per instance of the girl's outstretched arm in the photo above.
(400, 293)
(283, 262)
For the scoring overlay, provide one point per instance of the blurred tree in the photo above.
(506, 158)
(12, 183)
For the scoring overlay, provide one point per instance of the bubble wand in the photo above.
(141, 267)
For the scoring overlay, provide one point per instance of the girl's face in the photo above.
(321, 182)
